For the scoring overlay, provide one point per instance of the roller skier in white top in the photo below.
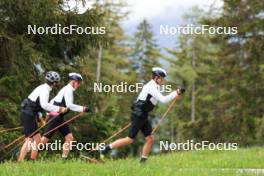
(146, 101)
(36, 102)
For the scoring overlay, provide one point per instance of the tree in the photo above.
(227, 76)
(146, 53)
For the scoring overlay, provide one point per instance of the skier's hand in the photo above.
(63, 110)
(86, 109)
(41, 122)
(180, 91)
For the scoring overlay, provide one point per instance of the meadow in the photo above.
(246, 161)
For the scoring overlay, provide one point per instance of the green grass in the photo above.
(180, 163)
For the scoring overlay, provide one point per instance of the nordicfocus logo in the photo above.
(58, 29)
(57, 145)
(191, 145)
(192, 29)
(124, 87)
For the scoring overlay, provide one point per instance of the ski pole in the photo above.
(64, 123)
(11, 129)
(164, 115)
(106, 140)
(117, 133)
(32, 134)
(22, 136)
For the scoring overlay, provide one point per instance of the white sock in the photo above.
(110, 145)
(143, 156)
(64, 156)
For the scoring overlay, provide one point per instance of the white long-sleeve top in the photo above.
(42, 92)
(153, 89)
(67, 93)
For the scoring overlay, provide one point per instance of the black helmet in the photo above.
(52, 76)
(75, 76)
(157, 71)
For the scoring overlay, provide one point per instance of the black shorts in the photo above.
(53, 123)
(29, 124)
(139, 123)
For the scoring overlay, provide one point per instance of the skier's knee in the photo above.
(150, 139)
(69, 137)
(130, 140)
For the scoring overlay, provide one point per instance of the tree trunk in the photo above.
(193, 86)
(99, 63)
(98, 70)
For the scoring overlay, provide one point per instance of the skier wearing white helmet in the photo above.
(36, 102)
(64, 98)
(146, 101)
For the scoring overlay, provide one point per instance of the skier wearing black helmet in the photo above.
(36, 102)
(146, 101)
(64, 98)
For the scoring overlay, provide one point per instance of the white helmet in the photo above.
(159, 72)
(52, 76)
(75, 76)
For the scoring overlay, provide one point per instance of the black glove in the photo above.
(181, 91)
(86, 109)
